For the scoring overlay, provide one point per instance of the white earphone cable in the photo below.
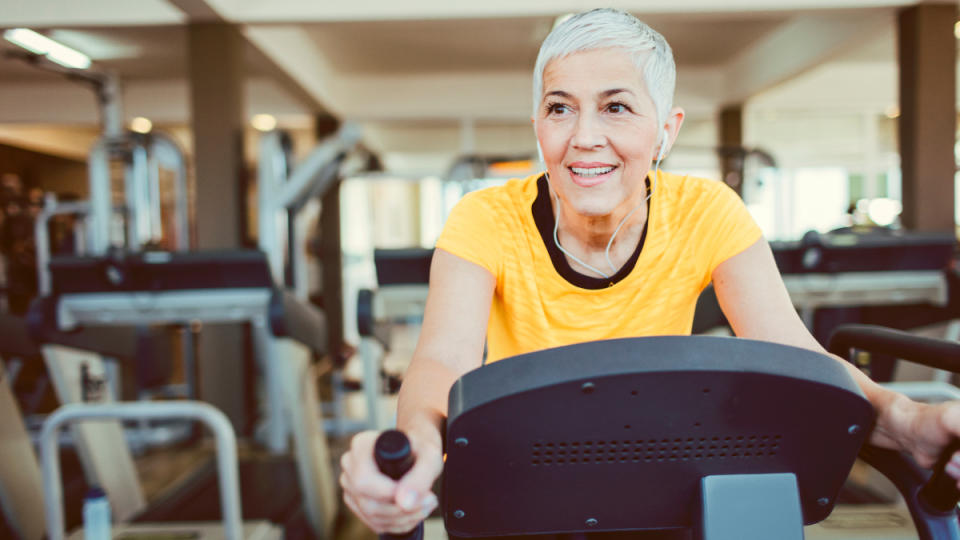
(613, 269)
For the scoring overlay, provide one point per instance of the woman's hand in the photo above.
(756, 303)
(383, 504)
(926, 431)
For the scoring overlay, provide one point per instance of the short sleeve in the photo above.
(471, 231)
(730, 228)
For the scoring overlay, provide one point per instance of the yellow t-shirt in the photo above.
(694, 225)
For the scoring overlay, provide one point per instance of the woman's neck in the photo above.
(587, 237)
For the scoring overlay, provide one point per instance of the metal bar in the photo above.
(275, 427)
(371, 381)
(101, 206)
(168, 154)
(271, 170)
(226, 448)
(125, 308)
(110, 95)
(41, 241)
(138, 197)
(153, 195)
(304, 179)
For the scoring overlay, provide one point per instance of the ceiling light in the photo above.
(956, 29)
(54, 51)
(263, 122)
(141, 125)
(28, 39)
(892, 112)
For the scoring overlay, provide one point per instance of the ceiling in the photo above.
(429, 77)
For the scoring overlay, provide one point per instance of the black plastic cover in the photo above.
(365, 320)
(160, 271)
(616, 435)
(853, 252)
(403, 266)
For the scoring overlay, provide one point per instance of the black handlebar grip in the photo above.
(392, 453)
(394, 458)
(940, 493)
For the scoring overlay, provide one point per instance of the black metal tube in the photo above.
(936, 353)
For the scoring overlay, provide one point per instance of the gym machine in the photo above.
(705, 437)
(240, 286)
(120, 280)
(881, 267)
(233, 527)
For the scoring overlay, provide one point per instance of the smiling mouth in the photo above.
(591, 172)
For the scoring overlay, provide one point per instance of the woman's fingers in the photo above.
(414, 490)
(382, 517)
(374, 497)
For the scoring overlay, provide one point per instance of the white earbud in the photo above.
(663, 146)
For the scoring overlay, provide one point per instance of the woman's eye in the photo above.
(617, 108)
(557, 108)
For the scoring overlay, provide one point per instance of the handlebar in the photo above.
(933, 504)
(394, 458)
(932, 352)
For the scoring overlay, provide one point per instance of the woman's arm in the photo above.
(451, 343)
(755, 301)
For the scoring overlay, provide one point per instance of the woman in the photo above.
(598, 247)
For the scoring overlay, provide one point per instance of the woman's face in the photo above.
(597, 127)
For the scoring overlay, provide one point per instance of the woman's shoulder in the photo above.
(484, 221)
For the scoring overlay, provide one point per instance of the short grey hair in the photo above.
(603, 28)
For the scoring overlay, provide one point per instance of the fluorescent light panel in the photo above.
(54, 51)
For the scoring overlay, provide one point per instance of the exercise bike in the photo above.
(706, 437)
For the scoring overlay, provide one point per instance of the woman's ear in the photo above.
(671, 128)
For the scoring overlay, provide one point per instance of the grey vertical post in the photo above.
(730, 129)
(216, 60)
(331, 263)
(927, 52)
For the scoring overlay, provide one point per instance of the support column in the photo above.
(216, 59)
(731, 144)
(928, 61)
(331, 262)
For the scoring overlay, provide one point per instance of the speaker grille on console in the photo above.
(601, 452)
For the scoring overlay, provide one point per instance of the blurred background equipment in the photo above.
(237, 202)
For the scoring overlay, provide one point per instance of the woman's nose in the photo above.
(589, 133)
